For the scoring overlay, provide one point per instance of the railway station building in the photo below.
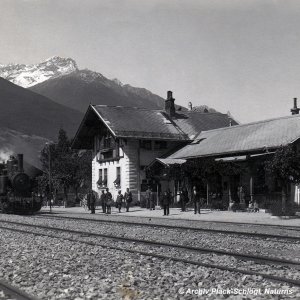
(247, 146)
(125, 140)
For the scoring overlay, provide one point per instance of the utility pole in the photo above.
(49, 173)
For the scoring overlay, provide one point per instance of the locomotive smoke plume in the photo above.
(5, 154)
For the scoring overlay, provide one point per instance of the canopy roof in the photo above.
(171, 161)
(247, 138)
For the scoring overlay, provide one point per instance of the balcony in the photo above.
(108, 154)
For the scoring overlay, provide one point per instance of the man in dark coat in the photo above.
(92, 201)
(166, 200)
(103, 201)
(88, 201)
(119, 201)
(109, 201)
(184, 198)
(196, 199)
(128, 199)
(150, 199)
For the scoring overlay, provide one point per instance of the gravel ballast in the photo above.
(291, 272)
(54, 269)
(220, 241)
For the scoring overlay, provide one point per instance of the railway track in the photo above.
(14, 292)
(233, 232)
(264, 259)
(290, 227)
(78, 236)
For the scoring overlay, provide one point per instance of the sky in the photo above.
(241, 56)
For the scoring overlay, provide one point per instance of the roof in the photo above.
(171, 161)
(194, 122)
(252, 137)
(139, 123)
(165, 162)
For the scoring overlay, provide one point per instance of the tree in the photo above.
(69, 168)
(284, 165)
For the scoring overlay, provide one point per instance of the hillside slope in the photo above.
(30, 113)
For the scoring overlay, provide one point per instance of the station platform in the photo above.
(175, 213)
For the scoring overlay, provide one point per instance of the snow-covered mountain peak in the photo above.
(61, 61)
(29, 75)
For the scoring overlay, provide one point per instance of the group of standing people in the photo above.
(196, 199)
(107, 202)
(166, 200)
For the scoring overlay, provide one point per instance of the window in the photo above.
(108, 154)
(102, 181)
(105, 176)
(158, 145)
(100, 175)
(146, 145)
(117, 182)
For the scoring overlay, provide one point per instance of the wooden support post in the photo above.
(139, 172)
(157, 198)
(207, 193)
(229, 194)
(251, 188)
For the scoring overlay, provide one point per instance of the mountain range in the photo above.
(29, 75)
(61, 80)
(82, 87)
(37, 100)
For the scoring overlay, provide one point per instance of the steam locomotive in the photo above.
(17, 188)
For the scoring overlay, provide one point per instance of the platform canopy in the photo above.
(253, 138)
(171, 161)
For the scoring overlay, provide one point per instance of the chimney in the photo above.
(20, 163)
(169, 104)
(190, 106)
(295, 110)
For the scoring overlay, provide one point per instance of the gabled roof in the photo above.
(133, 122)
(246, 138)
(139, 123)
